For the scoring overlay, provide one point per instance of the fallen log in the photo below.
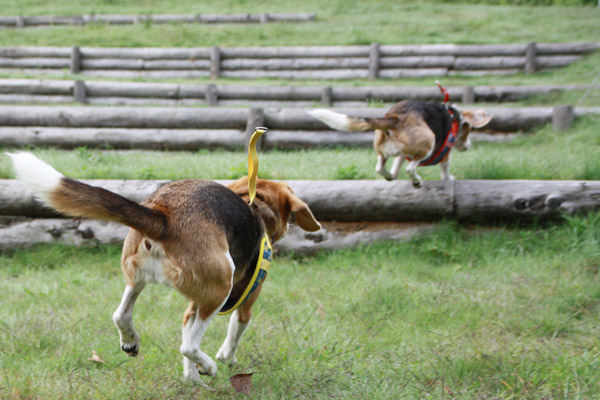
(379, 200)
(123, 138)
(123, 117)
(20, 233)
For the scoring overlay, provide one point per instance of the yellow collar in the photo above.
(260, 273)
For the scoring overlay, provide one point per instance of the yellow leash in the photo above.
(253, 162)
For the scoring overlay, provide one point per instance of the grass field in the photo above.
(540, 155)
(466, 313)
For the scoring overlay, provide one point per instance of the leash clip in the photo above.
(253, 161)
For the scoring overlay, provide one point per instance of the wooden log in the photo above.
(297, 74)
(171, 74)
(556, 61)
(530, 58)
(295, 52)
(468, 95)
(293, 140)
(453, 50)
(123, 117)
(37, 63)
(484, 72)
(215, 62)
(482, 63)
(299, 119)
(212, 96)
(374, 61)
(256, 119)
(522, 200)
(379, 200)
(35, 52)
(75, 61)
(12, 99)
(138, 90)
(395, 73)
(36, 86)
(22, 232)
(122, 138)
(512, 120)
(146, 53)
(277, 64)
(562, 117)
(418, 62)
(327, 96)
(269, 92)
(566, 48)
(79, 94)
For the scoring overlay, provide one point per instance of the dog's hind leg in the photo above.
(198, 316)
(411, 168)
(123, 319)
(398, 161)
(380, 167)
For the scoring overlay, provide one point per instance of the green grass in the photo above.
(338, 22)
(542, 155)
(461, 313)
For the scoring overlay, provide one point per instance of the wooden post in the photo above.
(327, 96)
(75, 63)
(20, 22)
(79, 92)
(211, 94)
(468, 96)
(263, 18)
(530, 55)
(215, 62)
(256, 117)
(562, 117)
(374, 61)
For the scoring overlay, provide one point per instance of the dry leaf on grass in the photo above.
(96, 358)
(242, 383)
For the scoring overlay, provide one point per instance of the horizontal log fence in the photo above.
(382, 201)
(380, 210)
(14, 91)
(182, 128)
(45, 20)
(300, 62)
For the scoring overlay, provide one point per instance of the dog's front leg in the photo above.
(123, 319)
(235, 330)
(412, 171)
(445, 169)
(380, 167)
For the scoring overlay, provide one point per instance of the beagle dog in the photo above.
(196, 236)
(422, 132)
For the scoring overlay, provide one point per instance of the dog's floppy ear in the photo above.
(477, 119)
(304, 217)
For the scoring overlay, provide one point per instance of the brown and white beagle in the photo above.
(422, 132)
(196, 236)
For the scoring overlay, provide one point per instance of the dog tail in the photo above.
(343, 122)
(78, 199)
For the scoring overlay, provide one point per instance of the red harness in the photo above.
(448, 144)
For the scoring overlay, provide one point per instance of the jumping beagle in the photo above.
(422, 132)
(197, 236)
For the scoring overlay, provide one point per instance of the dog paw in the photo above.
(417, 184)
(132, 349)
(132, 345)
(210, 369)
(226, 355)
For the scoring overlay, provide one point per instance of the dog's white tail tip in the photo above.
(332, 119)
(40, 177)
